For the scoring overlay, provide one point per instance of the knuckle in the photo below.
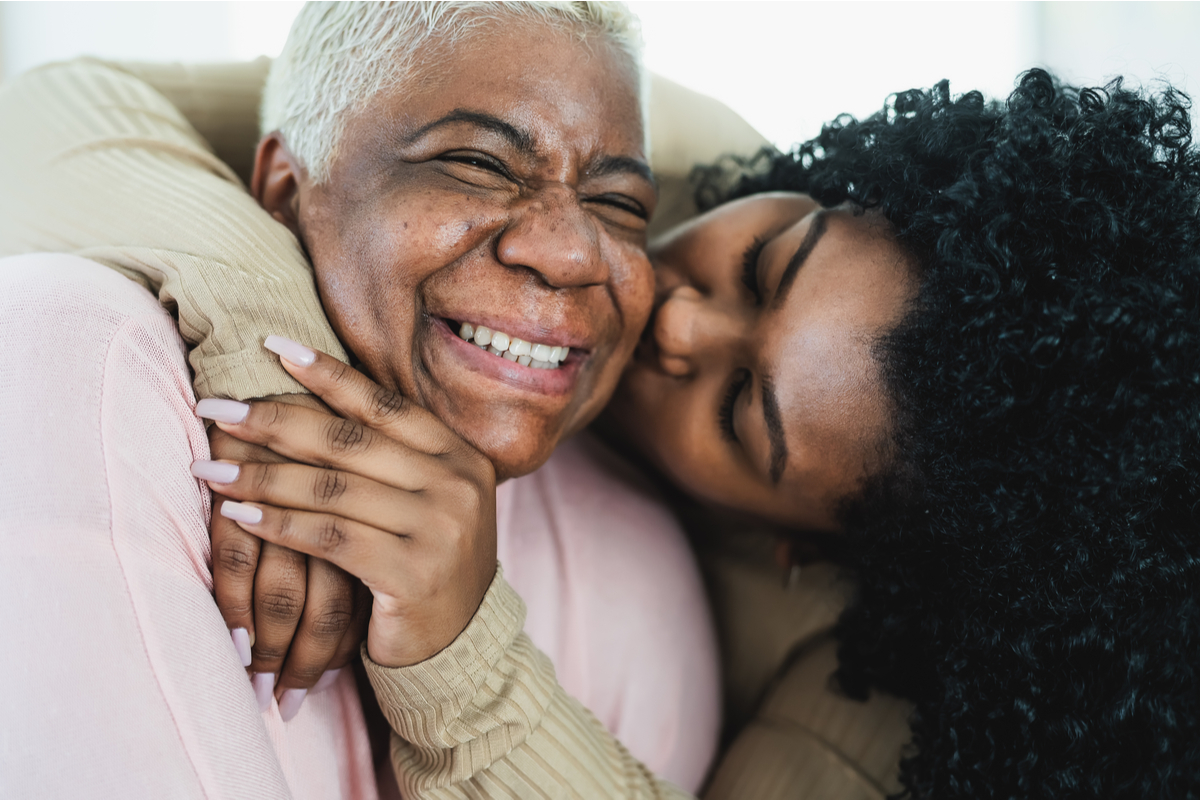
(340, 373)
(346, 436)
(281, 605)
(332, 622)
(268, 653)
(304, 674)
(386, 404)
(261, 477)
(330, 486)
(236, 559)
(332, 534)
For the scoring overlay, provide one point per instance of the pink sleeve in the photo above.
(119, 678)
(615, 599)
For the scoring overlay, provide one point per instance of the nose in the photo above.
(552, 235)
(693, 331)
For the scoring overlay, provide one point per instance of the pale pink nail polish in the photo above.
(327, 680)
(291, 351)
(241, 643)
(215, 471)
(289, 703)
(264, 689)
(220, 410)
(240, 512)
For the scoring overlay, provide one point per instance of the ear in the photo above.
(275, 182)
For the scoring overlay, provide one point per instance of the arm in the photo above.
(409, 508)
(486, 718)
(96, 163)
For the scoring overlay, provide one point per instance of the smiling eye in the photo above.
(750, 267)
(624, 204)
(725, 413)
(479, 161)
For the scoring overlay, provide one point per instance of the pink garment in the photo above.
(119, 678)
(615, 600)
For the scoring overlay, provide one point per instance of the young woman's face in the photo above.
(754, 386)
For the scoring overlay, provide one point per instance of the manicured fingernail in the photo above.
(215, 471)
(264, 689)
(289, 703)
(327, 680)
(241, 643)
(219, 410)
(240, 512)
(288, 350)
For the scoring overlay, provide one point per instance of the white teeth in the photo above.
(527, 354)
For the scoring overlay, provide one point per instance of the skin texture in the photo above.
(383, 489)
(711, 338)
(540, 233)
(542, 237)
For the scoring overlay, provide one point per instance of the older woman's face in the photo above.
(755, 387)
(507, 188)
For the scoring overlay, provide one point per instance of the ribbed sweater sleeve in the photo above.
(486, 718)
(96, 163)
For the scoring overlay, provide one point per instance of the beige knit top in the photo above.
(96, 162)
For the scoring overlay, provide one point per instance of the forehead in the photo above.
(548, 79)
(854, 286)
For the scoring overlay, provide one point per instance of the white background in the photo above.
(785, 66)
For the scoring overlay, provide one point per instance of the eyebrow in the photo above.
(618, 165)
(521, 140)
(816, 229)
(770, 410)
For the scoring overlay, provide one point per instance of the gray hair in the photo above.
(340, 55)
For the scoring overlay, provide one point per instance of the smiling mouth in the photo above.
(537, 355)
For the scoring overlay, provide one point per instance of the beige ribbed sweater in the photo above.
(95, 162)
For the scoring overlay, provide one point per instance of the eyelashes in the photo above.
(725, 413)
(750, 267)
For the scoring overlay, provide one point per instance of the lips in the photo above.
(555, 381)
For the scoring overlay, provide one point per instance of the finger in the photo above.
(321, 440)
(309, 488)
(373, 556)
(356, 634)
(328, 613)
(235, 560)
(355, 396)
(225, 447)
(280, 587)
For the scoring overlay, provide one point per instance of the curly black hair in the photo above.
(1030, 568)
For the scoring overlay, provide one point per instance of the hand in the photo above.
(388, 493)
(299, 618)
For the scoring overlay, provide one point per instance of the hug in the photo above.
(462, 383)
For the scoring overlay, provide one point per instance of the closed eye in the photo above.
(479, 161)
(623, 203)
(750, 267)
(741, 379)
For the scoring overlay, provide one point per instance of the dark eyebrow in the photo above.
(779, 448)
(518, 138)
(616, 165)
(815, 230)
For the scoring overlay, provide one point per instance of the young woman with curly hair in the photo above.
(976, 356)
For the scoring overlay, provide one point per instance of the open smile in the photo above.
(542, 367)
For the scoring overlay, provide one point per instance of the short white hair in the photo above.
(340, 55)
